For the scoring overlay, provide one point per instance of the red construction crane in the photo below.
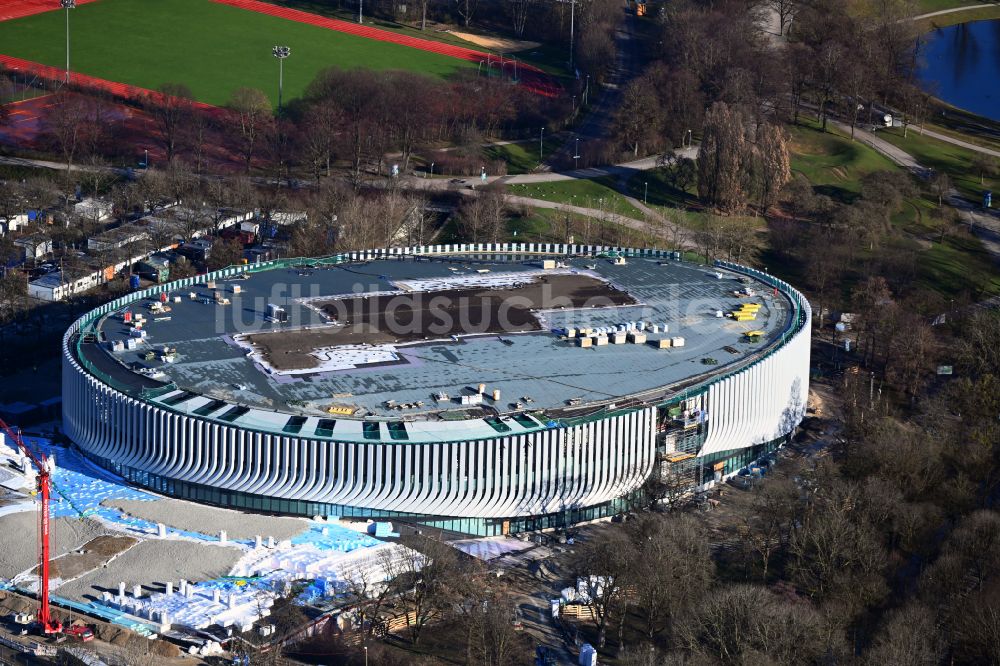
(43, 464)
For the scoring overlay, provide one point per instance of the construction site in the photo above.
(115, 563)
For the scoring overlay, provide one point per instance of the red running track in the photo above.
(122, 90)
(533, 78)
(12, 9)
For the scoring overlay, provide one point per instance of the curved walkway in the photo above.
(959, 142)
(953, 10)
(984, 223)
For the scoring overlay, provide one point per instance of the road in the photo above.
(597, 121)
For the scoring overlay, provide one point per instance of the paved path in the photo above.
(57, 166)
(597, 122)
(621, 171)
(985, 224)
(959, 142)
(953, 10)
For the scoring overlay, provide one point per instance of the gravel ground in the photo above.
(210, 520)
(19, 539)
(151, 563)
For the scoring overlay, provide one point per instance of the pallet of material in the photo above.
(579, 611)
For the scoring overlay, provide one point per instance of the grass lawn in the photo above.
(926, 6)
(941, 156)
(832, 162)
(555, 226)
(949, 263)
(522, 157)
(212, 48)
(652, 188)
(587, 193)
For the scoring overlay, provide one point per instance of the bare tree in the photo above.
(225, 252)
(13, 300)
(252, 118)
(599, 564)
(422, 579)
(635, 123)
(6, 95)
(940, 185)
(768, 524)
(836, 554)
(785, 10)
(65, 127)
(773, 162)
(670, 571)
(910, 636)
(519, 11)
(747, 624)
(466, 9)
(318, 138)
(172, 109)
(986, 165)
(724, 158)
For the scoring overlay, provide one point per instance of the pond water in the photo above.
(962, 66)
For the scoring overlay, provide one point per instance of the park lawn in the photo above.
(946, 157)
(652, 188)
(836, 165)
(549, 225)
(594, 193)
(949, 264)
(959, 264)
(832, 162)
(212, 48)
(927, 6)
(522, 157)
(961, 124)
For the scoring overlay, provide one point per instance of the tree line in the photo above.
(886, 551)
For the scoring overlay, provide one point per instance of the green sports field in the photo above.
(212, 48)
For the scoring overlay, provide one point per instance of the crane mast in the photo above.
(43, 465)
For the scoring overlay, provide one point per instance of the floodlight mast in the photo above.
(281, 52)
(67, 5)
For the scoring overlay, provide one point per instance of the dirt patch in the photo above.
(151, 563)
(498, 43)
(434, 315)
(209, 520)
(20, 554)
(91, 555)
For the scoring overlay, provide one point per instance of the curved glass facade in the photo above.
(560, 473)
